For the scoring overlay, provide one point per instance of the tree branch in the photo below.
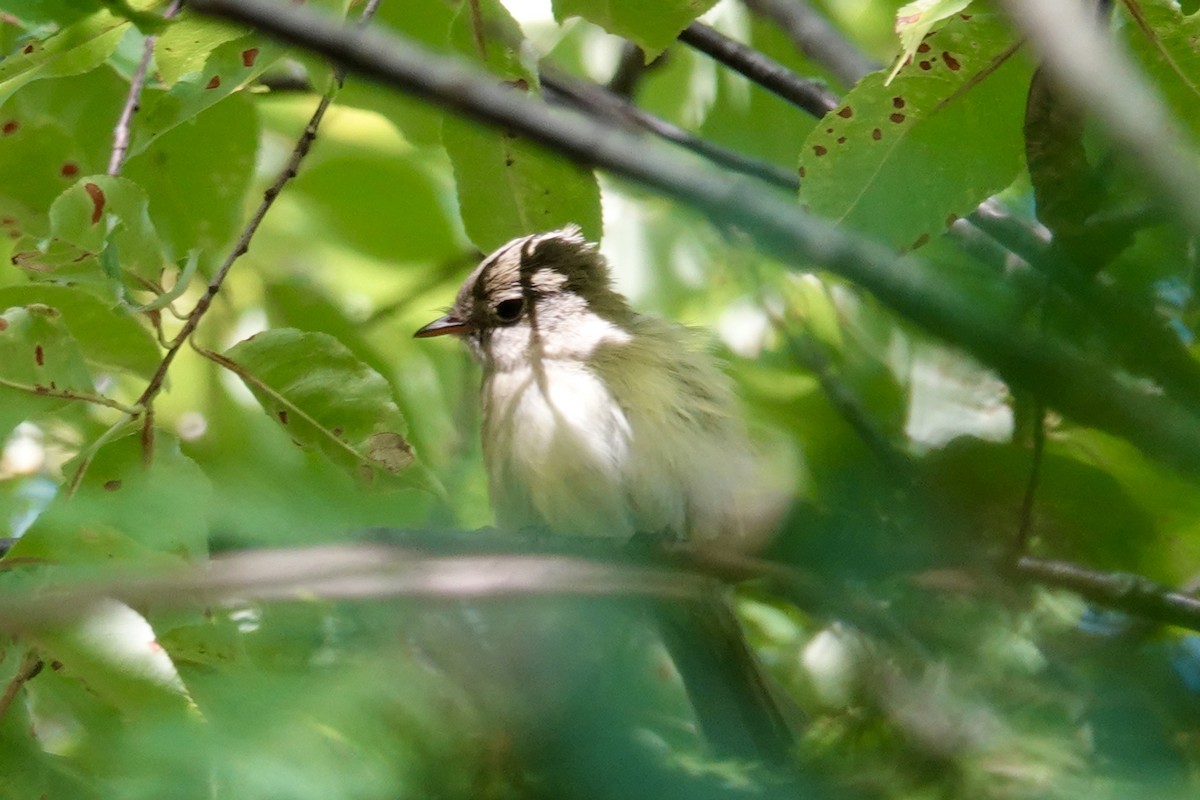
(816, 38)
(768, 73)
(975, 314)
(1134, 594)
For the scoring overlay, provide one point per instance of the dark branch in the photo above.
(596, 100)
(768, 73)
(816, 38)
(1133, 594)
(975, 313)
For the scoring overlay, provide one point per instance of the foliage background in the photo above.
(923, 660)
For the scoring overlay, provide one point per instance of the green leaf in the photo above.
(49, 136)
(326, 399)
(508, 187)
(75, 49)
(915, 20)
(196, 177)
(186, 44)
(124, 510)
(60, 12)
(964, 94)
(228, 69)
(652, 26)
(1163, 41)
(97, 217)
(347, 193)
(36, 350)
(109, 337)
(113, 650)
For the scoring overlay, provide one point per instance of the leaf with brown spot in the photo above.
(37, 349)
(335, 404)
(896, 141)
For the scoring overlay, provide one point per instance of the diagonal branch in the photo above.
(975, 314)
(768, 73)
(814, 36)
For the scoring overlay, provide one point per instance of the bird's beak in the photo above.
(443, 326)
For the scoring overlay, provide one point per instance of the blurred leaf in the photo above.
(187, 42)
(37, 349)
(196, 177)
(108, 336)
(77, 48)
(326, 399)
(1163, 41)
(125, 510)
(346, 192)
(113, 650)
(62, 12)
(652, 26)
(965, 92)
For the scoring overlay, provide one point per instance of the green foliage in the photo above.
(301, 412)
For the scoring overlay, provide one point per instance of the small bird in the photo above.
(598, 420)
(601, 421)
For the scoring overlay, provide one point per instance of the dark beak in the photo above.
(443, 326)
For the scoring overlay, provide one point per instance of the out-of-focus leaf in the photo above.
(108, 336)
(98, 228)
(113, 650)
(652, 26)
(346, 192)
(506, 186)
(124, 510)
(196, 177)
(37, 349)
(326, 399)
(61, 12)
(78, 48)
(1163, 41)
(964, 91)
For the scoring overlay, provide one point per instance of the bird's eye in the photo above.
(509, 310)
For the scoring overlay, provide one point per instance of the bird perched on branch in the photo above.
(601, 421)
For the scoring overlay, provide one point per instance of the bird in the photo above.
(598, 420)
(601, 421)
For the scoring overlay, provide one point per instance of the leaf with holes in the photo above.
(652, 26)
(1166, 43)
(36, 350)
(326, 399)
(507, 187)
(108, 337)
(965, 93)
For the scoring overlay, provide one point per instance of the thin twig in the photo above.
(69, 394)
(122, 131)
(1025, 524)
(31, 665)
(816, 38)
(290, 170)
(813, 97)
